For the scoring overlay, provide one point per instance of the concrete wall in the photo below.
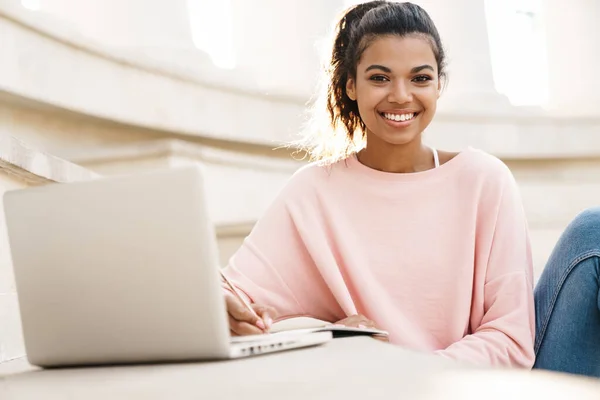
(11, 338)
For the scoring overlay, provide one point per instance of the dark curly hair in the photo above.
(359, 26)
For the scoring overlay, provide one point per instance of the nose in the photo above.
(400, 93)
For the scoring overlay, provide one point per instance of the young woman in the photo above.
(431, 246)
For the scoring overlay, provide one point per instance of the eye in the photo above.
(379, 78)
(422, 78)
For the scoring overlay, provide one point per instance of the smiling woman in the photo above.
(432, 247)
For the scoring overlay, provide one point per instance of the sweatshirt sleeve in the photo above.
(503, 328)
(273, 266)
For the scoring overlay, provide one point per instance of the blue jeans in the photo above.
(567, 301)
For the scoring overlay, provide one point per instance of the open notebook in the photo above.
(308, 324)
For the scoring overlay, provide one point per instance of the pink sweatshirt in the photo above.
(440, 258)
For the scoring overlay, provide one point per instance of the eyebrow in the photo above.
(389, 71)
(381, 67)
(421, 68)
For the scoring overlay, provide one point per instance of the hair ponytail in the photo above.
(345, 112)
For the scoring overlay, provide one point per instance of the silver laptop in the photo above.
(124, 270)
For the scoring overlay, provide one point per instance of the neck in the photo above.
(405, 158)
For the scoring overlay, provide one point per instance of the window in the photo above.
(212, 30)
(34, 5)
(518, 50)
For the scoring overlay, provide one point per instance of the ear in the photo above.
(439, 88)
(351, 89)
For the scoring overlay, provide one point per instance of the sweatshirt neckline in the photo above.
(442, 170)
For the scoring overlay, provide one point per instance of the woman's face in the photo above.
(396, 88)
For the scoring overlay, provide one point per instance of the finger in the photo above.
(261, 310)
(358, 321)
(266, 313)
(353, 321)
(348, 321)
(238, 311)
(382, 338)
(364, 322)
(367, 324)
(358, 317)
(241, 328)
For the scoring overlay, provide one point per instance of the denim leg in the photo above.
(567, 301)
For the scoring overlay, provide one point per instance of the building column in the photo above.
(573, 47)
(463, 29)
(278, 41)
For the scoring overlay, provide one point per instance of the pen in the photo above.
(238, 295)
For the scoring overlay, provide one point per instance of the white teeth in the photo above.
(399, 117)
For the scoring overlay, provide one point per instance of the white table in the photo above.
(356, 368)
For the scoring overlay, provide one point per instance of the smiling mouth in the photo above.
(399, 117)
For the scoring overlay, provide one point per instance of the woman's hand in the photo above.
(242, 322)
(362, 322)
